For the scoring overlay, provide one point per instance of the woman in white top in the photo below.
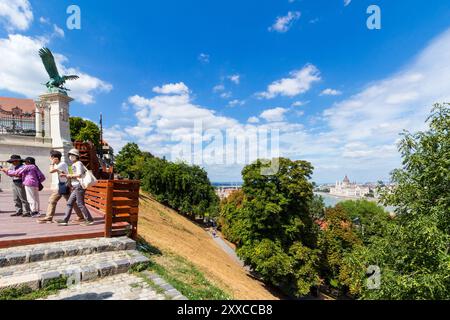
(78, 193)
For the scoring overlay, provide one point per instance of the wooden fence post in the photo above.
(109, 209)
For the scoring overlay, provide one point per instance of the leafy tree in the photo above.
(371, 219)
(182, 187)
(178, 185)
(84, 130)
(338, 237)
(272, 225)
(127, 160)
(227, 222)
(413, 252)
(317, 207)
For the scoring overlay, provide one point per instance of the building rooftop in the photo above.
(16, 105)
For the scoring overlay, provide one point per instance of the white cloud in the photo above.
(226, 95)
(347, 2)
(300, 103)
(219, 88)
(357, 135)
(21, 70)
(44, 20)
(235, 78)
(115, 137)
(16, 14)
(236, 102)
(204, 58)
(300, 81)
(58, 31)
(253, 120)
(284, 23)
(172, 88)
(274, 115)
(331, 92)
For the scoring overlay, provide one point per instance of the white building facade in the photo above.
(348, 189)
(32, 129)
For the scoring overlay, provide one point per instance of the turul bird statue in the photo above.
(56, 82)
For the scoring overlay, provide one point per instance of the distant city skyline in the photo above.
(339, 93)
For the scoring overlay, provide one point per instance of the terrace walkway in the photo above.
(18, 231)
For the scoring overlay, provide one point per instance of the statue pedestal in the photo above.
(57, 126)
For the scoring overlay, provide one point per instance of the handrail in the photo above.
(119, 201)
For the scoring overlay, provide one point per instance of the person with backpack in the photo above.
(19, 195)
(32, 178)
(78, 192)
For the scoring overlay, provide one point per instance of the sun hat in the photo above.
(74, 152)
(14, 158)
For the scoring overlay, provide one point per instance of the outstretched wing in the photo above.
(65, 78)
(49, 62)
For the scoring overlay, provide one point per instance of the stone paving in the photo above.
(119, 287)
(70, 263)
(44, 252)
(98, 268)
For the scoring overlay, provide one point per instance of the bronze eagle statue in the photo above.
(56, 81)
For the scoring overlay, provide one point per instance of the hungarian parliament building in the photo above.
(348, 189)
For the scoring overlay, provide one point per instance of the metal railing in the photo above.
(17, 125)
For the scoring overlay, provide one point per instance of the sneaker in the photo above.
(62, 223)
(26, 215)
(45, 220)
(18, 214)
(35, 214)
(87, 223)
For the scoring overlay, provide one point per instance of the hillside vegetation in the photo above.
(174, 234)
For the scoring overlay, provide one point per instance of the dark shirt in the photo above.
(17, 179)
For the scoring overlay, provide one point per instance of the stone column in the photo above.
(38, 121)
(58, 109)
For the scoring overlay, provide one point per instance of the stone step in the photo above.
(117, 287)
(51, 251)
(76, 269)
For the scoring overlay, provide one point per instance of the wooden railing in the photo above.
(119, 201)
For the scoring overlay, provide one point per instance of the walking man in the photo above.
(19, 194)
(60, 188)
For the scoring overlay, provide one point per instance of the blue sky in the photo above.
(337, 92)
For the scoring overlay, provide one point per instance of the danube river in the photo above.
(331, 201)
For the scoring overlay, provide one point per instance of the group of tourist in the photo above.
(27, 181)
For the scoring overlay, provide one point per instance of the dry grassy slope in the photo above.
(169, 231)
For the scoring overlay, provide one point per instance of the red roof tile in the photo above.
(26, 105)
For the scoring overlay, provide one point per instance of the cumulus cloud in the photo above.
(299, 81)
(235, 78)
(219, 88)
(272, 115)
(172, 88)
(284, 23)
(354, 134)
(58, 31)
(253, 120)
(299, 103)
(16, 14)
(22, 72)
(331, 92)
(203, 58)
(235, 103)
